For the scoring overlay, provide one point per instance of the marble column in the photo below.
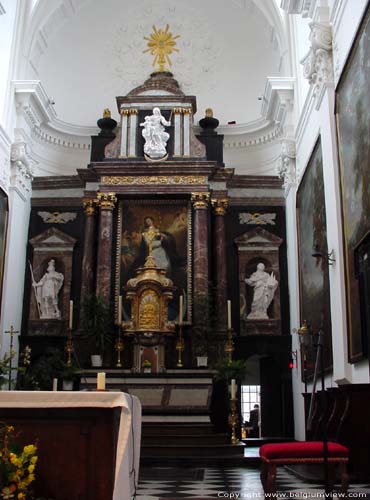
(200, 258)
(219, 244)
(87, 275)
(106, 202)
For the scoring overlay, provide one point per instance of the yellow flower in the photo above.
(9, 428)
(30, 449)
(33, 460)
(31, 468)
(21, 496)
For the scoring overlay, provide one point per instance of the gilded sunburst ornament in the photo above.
(161, 44)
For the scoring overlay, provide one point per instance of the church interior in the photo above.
(184, 249)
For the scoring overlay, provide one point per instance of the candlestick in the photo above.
(55, 384)
(118, 346)
(180, 347)
(233, 420)
(181, 313)
(233, 388)
(71, 314)
(229, 314)
(119, 319)
(100, 385)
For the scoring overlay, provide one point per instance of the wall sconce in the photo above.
(318, 254)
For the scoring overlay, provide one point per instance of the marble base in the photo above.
(260, 326)
(49, 327)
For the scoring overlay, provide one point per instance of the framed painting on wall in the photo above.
(171, 248)
(353, 125)
(3, 231)
(314, 286)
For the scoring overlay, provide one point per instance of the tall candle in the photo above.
(233, 388)
(55, 384)
(119, 319)
(100, 381)
(70, 314)
(229, 314)
(181, 305)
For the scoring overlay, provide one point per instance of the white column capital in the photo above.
(286, 163)
(318, 63)
(22, 168)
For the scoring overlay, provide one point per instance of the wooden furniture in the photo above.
(88, 442)
(305, 452)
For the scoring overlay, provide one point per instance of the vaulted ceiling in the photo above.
(86, 52)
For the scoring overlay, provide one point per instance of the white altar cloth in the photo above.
(129, 435)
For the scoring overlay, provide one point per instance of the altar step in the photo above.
(187, 444)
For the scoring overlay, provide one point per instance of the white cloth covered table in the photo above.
(129, 434)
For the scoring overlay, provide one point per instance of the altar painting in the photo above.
(171, 248)
(353, 124)
(314, 272)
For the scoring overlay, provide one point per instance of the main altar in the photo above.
(162, 234)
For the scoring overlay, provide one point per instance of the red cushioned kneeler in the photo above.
(303, 452)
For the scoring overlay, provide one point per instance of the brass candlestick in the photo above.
(69, 347)
(12, 332)
(229, 345)
(118, 346)
(180, 347)
(233, 420)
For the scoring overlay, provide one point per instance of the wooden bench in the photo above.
(304, 452)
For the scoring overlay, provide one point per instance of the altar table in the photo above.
(89, 442)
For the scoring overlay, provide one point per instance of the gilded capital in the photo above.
(220, 205)
(200, 200)
(106, 201)
(89, 206)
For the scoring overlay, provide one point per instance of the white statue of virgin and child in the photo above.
(155, 135)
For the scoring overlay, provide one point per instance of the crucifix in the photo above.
(12, 332)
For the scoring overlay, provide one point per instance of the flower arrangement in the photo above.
(17, 466)
(147, 363)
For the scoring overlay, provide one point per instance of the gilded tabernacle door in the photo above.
(170, 223)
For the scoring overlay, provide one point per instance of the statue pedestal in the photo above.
(260, 326)
(49, 327)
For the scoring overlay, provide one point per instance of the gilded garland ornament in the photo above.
(161, 44)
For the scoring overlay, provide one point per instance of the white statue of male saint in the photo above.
(155, 135)
(47, 290)
(264, 285)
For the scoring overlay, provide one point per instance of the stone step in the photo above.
(183, 450)
(169, 428)
(178, 439)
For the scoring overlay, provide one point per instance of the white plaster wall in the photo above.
(15, 262)
(313, 123)
(346, 16)
(7, 23)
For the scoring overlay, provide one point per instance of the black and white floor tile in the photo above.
(230, 484)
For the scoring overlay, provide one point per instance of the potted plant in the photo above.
(69, 375)
(96, 322)
(229, 370)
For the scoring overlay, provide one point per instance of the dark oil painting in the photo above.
(3, 229)
(313, 272)
(353, 125)
(171, 247)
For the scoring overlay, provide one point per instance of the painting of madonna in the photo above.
(165, 227)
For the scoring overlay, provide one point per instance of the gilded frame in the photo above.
(4, 214)
(165, 207)
(314, 286)
(353, 125)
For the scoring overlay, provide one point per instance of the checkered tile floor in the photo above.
(175, 483)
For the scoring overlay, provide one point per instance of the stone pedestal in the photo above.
(106, 202)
